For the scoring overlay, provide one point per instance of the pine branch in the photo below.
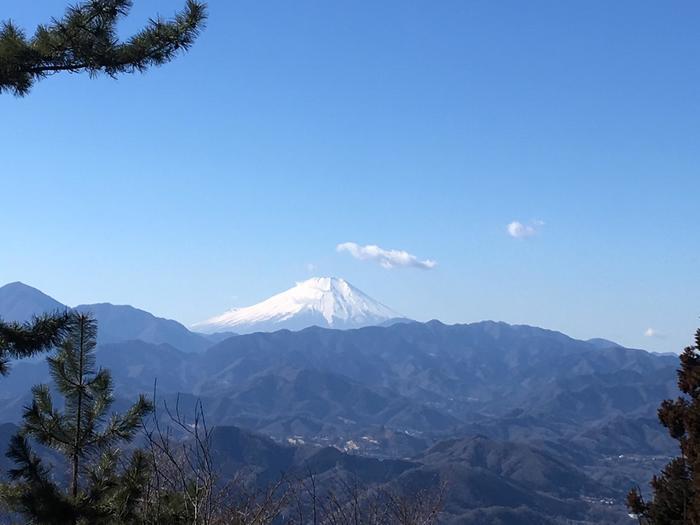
(44, 423)
(101, 489)
(124, 427)
(22, 340)
(29, 466)
(85, 41)
(34, 494)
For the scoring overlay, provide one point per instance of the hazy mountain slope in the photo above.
(478, 475)
(19, 302)
(322, 301)
(575, 410)
(486, 366)
(516, 462)
(118, 323)
(424, 377)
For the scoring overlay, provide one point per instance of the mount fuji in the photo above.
(328, 302)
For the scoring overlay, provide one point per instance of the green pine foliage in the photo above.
(85, 40)
(20, 340)
(104, 486)
(676, 491)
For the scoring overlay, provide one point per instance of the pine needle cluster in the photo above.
(21, 340)
(105, 485)
(85, 40)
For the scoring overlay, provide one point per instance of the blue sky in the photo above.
(291, 127)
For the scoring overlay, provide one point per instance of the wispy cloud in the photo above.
(310, 267)
(518, 230)
(385, 258)
(652, 332)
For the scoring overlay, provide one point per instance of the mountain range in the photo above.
(522, 424)
(328, 302)
(20, 302)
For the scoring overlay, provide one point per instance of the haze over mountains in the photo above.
(328, 302)
(525, 425)
(19, 302)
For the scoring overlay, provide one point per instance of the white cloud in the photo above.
(386, 258)
(651, 332)
(519, 230)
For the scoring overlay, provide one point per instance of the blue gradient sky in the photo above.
(423, 126)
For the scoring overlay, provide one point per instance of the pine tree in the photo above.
(85, 40)
(20, 340)
(100, 489)
(676, 491)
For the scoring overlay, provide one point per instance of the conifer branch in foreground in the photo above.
(85, 40)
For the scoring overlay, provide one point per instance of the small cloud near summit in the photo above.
(518, 230)
(651, 332)
(388, 259)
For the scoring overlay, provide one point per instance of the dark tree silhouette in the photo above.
(20, 340)
(103, 486)
(85, 40)
(676, 491)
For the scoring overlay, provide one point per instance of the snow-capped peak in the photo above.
(323, 301)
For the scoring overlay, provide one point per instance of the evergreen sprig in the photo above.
(85, 40)
(21, 340)
(85, 433)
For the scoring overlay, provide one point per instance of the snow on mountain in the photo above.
(322, 301)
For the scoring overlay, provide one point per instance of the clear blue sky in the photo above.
(427, 126)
